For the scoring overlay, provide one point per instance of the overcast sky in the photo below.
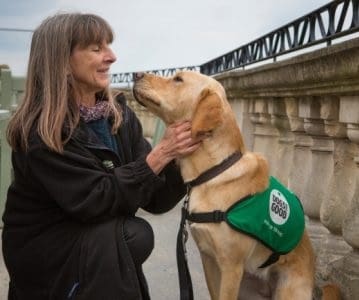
(155, 34)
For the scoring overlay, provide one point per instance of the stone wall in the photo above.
(303, 115)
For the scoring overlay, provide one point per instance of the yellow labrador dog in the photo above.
(226, 253)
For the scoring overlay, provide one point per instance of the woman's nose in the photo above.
(110, 57)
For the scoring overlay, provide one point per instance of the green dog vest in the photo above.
(275, 217)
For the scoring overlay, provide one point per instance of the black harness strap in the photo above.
(215, 170)
(270, 260)
(216, 216)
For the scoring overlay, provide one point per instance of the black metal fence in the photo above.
(333, 20)
(128, 77)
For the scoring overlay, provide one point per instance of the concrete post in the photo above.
(284, 153)
(265, 134)
(346, 269)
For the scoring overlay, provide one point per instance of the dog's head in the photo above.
(185, 96)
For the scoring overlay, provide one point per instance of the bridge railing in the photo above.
(336, 19)
(117, 78)
(331, 21)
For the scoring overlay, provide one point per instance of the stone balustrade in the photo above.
(303, 115)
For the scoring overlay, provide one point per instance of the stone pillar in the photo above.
(318, 173)
(338, 192)
(321, 167)
(302, 156)
(284, 153)
(341, 186)
(346, 270)
(265, 134)
(241, 111)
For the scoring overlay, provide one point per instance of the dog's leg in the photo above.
(293, 287)
(212, 274)
(223, 281)
(296, 273)
(231, 277)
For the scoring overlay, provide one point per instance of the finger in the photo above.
(176, 128)
(183, 137)
(188, 143)
(191, 149)
(195, 142)
(183, 125)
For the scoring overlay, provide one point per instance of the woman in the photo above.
(81, 171)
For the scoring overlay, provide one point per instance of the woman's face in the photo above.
(90, 67)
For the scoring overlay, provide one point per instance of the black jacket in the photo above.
(64, 214)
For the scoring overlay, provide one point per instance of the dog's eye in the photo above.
(178, 79)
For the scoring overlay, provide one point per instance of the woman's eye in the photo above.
(95, 48)
(178, 79)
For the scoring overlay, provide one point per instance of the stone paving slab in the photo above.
(161, 267)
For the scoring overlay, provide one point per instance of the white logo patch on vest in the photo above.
(279, 209)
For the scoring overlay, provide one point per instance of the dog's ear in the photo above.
(208, 114)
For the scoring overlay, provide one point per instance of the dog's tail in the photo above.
(331, 291)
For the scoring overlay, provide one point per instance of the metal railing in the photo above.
(333, 20)
(321, 25)
(128, 77)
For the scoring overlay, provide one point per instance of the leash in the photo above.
(185, 281)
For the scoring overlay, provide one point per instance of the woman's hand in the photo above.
(176, 142)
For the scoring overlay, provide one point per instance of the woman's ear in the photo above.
(208, 113)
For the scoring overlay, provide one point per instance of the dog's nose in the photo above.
(138, 75)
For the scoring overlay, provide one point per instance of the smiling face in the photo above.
(90, 67)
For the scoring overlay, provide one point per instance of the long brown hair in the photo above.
(49, 102)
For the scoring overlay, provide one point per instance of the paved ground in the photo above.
(160, 268)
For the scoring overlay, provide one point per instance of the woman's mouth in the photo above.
(104, 72)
